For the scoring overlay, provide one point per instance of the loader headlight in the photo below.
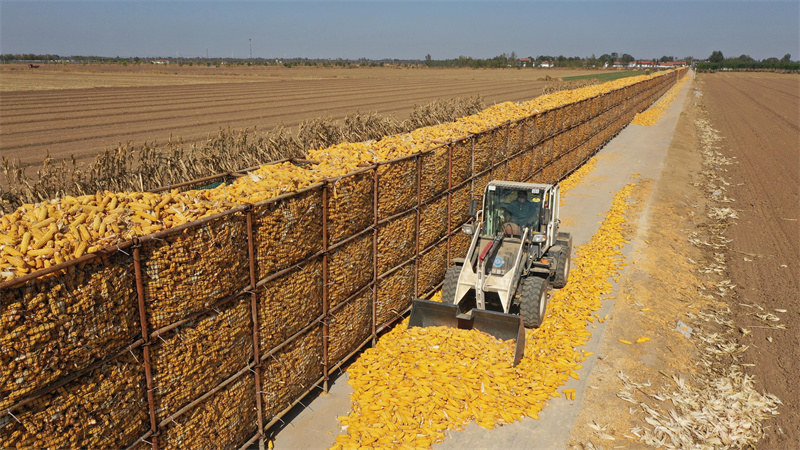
(539, 238)
(468, 229)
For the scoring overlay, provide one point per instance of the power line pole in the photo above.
(251, 47)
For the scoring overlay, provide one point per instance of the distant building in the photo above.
(641, 64)
(671, 64)
(547, 64)
(160, 61)
(525, 62)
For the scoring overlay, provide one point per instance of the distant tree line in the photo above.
(718, 61)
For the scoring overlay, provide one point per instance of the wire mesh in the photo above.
(287, 231)
(197, 356)
(104, 408)
(396, 241)
(460, 161)
(60, 323)
(432, 221)
(434, 173)
(500, 143)
(291, 371)
(226, 419)
(187, 271)
(483, 152)
(349, 326)
(502, 171)
(350, 205)
(460, 199)
(395, 292)
(459, 244)
(288, 304)
(397, 187)
(432, 266)
(515, 139)
(481, 181)
(350, 268)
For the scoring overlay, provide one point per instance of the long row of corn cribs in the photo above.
(191, 318)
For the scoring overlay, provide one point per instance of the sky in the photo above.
(404, 30)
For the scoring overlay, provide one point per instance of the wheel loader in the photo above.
(516, 254)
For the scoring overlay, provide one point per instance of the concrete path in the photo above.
(636, 149)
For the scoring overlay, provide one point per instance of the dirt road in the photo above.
(84, 113)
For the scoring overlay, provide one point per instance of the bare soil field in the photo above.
(82, 110)
(733, 280)
(758, 115)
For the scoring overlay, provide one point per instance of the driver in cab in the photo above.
(523, 213)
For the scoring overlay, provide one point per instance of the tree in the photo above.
(787, 58)
(614, 56)
(626, 58)
(716, 57)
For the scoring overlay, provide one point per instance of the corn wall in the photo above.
(207, 333)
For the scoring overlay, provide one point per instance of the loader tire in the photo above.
(450, 284)
(563, 264)
(533, 301)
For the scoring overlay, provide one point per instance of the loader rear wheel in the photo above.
(564, 262)
(533, 301)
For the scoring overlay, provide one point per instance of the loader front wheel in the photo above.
(533, 301)
(450, 284)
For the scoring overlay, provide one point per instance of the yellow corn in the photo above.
(45, 238)
(80, 249)
(26, 240)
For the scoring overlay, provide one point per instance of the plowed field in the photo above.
(758, 116)
(81, 113)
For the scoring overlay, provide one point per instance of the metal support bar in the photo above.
(325, 327)
(416, 229)
(375, 256)
(254, 315)
(137, 267)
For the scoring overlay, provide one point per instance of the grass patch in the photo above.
(606, 76)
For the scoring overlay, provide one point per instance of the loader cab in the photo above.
(510, 209)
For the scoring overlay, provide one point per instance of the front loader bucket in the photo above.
(425, 313)
(502, 326)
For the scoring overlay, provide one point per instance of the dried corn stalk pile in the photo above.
(418, 383)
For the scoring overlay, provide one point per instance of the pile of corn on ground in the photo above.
(417, 384)
(653, 114)
(37, 236)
